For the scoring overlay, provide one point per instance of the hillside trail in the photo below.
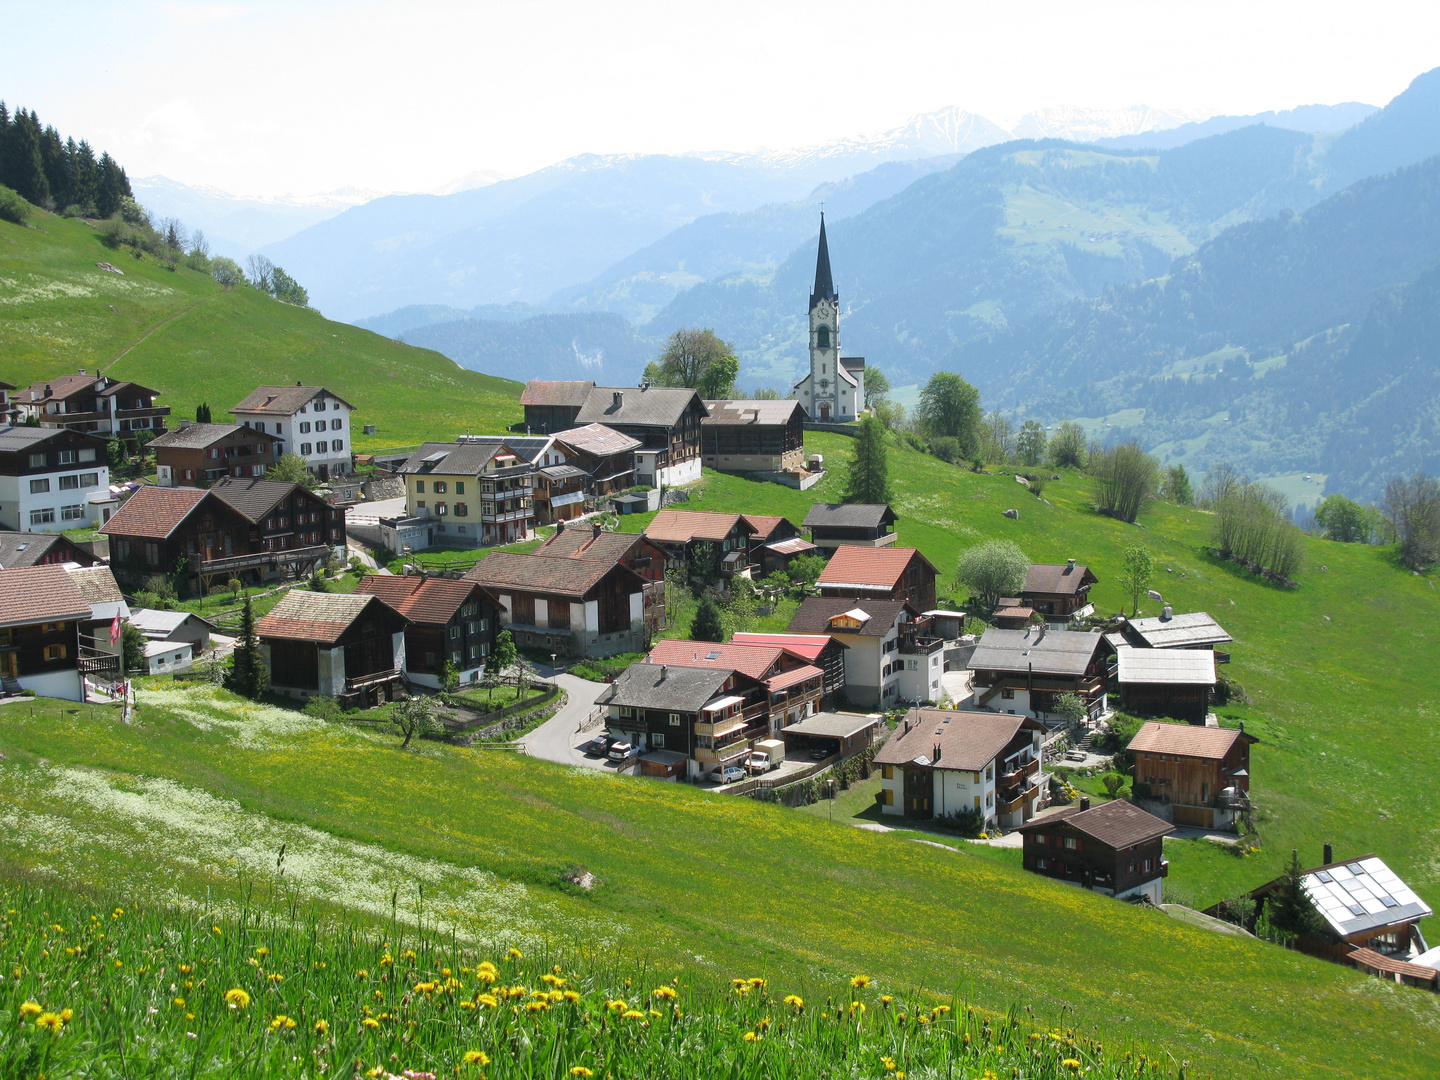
(162, 324)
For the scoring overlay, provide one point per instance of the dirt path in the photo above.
(164, 323)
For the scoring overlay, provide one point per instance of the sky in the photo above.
(302, 96)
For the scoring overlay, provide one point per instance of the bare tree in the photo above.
(198, 244)
(1411, 505)
(1126, 478)
(1221, 480)
(262, 273)
(1252, 526)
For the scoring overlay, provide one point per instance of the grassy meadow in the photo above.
(484, 844)
(182, 334)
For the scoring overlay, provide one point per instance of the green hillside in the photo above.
(181, 333)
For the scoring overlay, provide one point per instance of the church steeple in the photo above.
(824, 284)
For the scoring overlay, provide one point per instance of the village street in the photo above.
(555, 739)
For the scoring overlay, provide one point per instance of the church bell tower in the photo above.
(824, 337)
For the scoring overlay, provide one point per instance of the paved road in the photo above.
(555, 739)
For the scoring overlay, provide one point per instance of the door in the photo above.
(918, 791)
(824, 411)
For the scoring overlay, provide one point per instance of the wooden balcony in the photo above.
(1018, 775)
(264, 558)
(375, 678)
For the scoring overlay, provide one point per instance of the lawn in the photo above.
(209, 790)
(182, 334)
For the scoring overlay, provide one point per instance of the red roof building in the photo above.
(451, 621)
(881, 573)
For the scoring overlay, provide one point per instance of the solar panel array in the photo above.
(1358, 895)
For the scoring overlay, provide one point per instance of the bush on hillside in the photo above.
(13, 208)
(967, 821)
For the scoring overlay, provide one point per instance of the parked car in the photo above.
(819, 755)
(599, 746)
(728, 775)
(620, 751)
(759, 761)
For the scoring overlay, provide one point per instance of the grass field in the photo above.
(210, 789)
(182, 334)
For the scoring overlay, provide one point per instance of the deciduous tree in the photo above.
(291, 468)
(1030, 444)
(1067, 446)
(1136, 573)
(687, 356)
(1343, 519)
(1177, 486)
(951, 406)
(1411, 504)
(991, 570)
(877, 386)
(1125, 480)
(415, 716)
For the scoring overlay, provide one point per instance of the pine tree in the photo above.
(24, 171)
(868, 477)
(111, 187)
(1288, 908)
(84, 176)
(249, 677)
(706, 626)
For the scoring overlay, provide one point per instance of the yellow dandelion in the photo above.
(653, 1014)
(516, 991)
(488, 1000)
(1072, 1064)
(66, 1015)
(758, 984)
(179, 1003)
(557, 996)
(570, 995)
(552, 980)
(50, 1022)
(859, 982)
(514, 954)
(940, 1010)
(632, 1014)
(216, 929)
(321, 1027)
(386, 960)
(750, 1036)
(580, 1071)
(922, 1019)
(467, 1004)
(485, 965)
(237, 998)
(476, 1057)
(795, 1001)
(362, 974)
(279, 1022)
(30, 1008)
(445, 972)
(900, 1075)
(666, 993)
(184, 969)
(117, 913)
(277, 977)
(370, 1022)
(262, 952)
(886, 999)
(408, 954)
(536, 1006)
(615, 1006)
(487, 976)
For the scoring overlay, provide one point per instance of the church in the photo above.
(834, 391)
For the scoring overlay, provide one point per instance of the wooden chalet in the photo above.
(836, 525)
(825, 652)
(450, 621)
(633, 550)
(1024, 671)
(551, 406)
(1199, 776)
(1114, 849)
(569, 606)
(349, 647)
(775, 542)
(793, 685)
(688, 535)
(664, 420)
(888, 573)
(1058, 592)
(872, 633)
(41, 615)
(1189, 631)
(941, 762)
(1177, 683)
(100, 656)
(197, 455)
(19, 549)
(283, 515)
(753, 436)
(95, 403)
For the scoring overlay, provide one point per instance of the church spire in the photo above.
(824, 284)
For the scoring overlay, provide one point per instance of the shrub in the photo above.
(967, 821)
(324, 708)
(13, 207)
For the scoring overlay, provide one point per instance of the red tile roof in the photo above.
(431, 601)
(153, 512)
(810, 646)
(682, 526)
(310, 616)
(751, 660)
(870, 568)
(764, 524)
(32, 594)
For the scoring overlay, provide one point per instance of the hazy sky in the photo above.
(299, 96)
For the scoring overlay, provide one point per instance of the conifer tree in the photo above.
(707, 626)
(868, 476)
(1288, 909)
(249, 677)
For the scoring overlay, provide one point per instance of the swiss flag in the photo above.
(115, 629)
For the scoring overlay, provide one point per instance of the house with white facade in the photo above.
(313, 422)
(52, 478)
(834, 391)
(941, 762)
(871, 631)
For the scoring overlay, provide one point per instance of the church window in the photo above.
(822, 337)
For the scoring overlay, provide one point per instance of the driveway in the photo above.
(556, 739)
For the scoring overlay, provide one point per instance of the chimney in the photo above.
(595, 529)
(1329, 855)
(1069, 565)
(82, 371)
(1167, 613)
(619, 398)
(1084, 802)
(298, 383)
(662, 672)
(1242, 727)
(559, 526)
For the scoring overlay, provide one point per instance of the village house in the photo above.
(1197, 776)
(1059, 593)
(283, 515)
(824, 651)
(1177, 683)
(52, 478)
(560, 489)
(96, 404)
(348, 647)
(551, 406)
(793, 686)
(1024, 671)
(476, 494)
(196, 455)
(312, 421)
(836, 525)
(942, 762)
(688, 721)
(41, 613)
(451, 621)
(606, 456)
(891, 573)
(1189, 631)
(873, 633)
(1369, 918)
(1113, 848)
(570, 606)
(753, 436)
(630, 549)
(832, 734)
(698, 540)
(9, 410)
(40, 549)
(100, 634)
(774, 543)
(834, 390)
(173, 639)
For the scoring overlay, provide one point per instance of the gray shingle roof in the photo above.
(198, 436)
(1056, 579)
(283, 400)
(1179, 631)
(1175, 667)
(310, 616)
(556, 392)
(968, 741)
(815, 614)
(849, 515)
(1047, 652)
(1117, 824)
(26, 549)
(253, 498)
(659, 406)
(738, 412)
(463, 459)
(13, 439)
(665, 686)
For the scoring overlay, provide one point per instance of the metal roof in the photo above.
(737, 413)
(1177, 667)
(1178, 631)
(831, 725)
(849, 515)
(1046, 652)
(1361, 894)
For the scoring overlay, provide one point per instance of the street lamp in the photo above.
(553, 672)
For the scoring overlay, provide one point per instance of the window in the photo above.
(624, 710)
(439, 487)
(440, 508)
(152, 553)
(90, 479)
(989, 800)
(337, 446)
(990, 771)
(455, 657)
(320, 405)
(87, 455)
(889, 796)
(674, 719)
(888, 772)
(1074, 843)
(454, 632)
(334, 425)
(70, 483)
(462, 509)
(419, 487)
(42, 517)
(72, 513)
(305, 428)
(321, 447)
(459, 487)
(56, 652)
(37, 461)
(305, 448)
(1148, 865)
(1008, 694)
(420, 504)
(39, 487)
(657, 741)
(822, 337)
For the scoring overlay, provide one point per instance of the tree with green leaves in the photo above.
(687, 357)
(951, 406)
(415, 716)
(877, 387)
(287, 290)
(867, 478)
(1068, 446)
(805, 570)
(291, 468)
(132, 647)
(505, 654)
(1030, 443)
(1136, 573)
(1177, 486)
(718, 380)
(1343, 519)
(248, 677)
(1288, 908)
(449, 677)
(202, 413)
(1125, 479)
(1113, 782)
(1071, 708)
(707, 625)
(991, 570)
